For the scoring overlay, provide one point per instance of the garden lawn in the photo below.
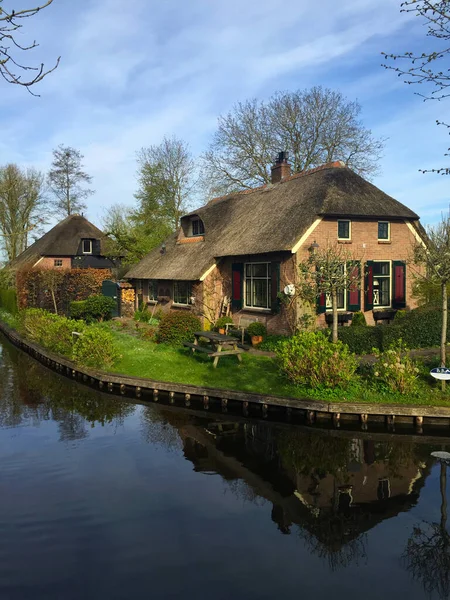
(258, 374)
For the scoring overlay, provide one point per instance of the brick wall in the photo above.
(364, 246)
(49, 262)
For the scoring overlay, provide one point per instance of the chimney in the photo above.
(282, 168)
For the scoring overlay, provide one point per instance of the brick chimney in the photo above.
(282, 168)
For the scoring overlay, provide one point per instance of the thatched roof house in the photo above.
(73, 243)
(277, 223)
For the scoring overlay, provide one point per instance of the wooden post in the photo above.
(310, 417)
(419, 424)
(155, 395)
(245, 408)
(122, 389)
(337, 419)
(224, 405)
(171, 397)
(110, 386)
(100, 384)
(138, 392)
(206, 402)
(288, 413)
(265, 410)
(187, 399)
(390, 420)
(364, 421)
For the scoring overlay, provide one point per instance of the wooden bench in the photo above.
(219, 346)
(244, 322)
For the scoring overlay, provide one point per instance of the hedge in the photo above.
(418, 328)
(178, 327)
(8, 301)
(94, 308)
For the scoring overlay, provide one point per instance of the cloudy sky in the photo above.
(133, 71)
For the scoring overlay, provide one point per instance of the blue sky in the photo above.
(132, 72)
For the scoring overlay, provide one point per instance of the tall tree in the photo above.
(12, 68)
(66, 178)
(428, 68)
(23, 207)
(316, 126)
(166, 177)
(329, 272)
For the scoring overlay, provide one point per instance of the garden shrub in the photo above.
(178, 327)
(359, 320)
(270, 343)
(419, 328)
(309, 358)
(400, 314)
(395, 369)
(48, 330)
(360, 340)
(221, 322)
(94, 308)
(256, 329)
(95, 348)
(8, 300)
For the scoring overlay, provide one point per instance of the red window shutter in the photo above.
(354, 292)
(237, 270)
(321, 303)
(368, 286)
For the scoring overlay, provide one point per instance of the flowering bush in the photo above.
(309, 358)
(396, 369)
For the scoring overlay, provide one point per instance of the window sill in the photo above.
(344, 241)
(176, 305)
(152, 302)
(256, 309)
(384, 242)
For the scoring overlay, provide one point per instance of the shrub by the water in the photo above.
(309, 358)
(94, 308)
(178, 327)
(395, 369)
(8, 300)
(50, 331)
(95, 348)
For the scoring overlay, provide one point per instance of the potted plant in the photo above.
(221, 322)
(256, 331)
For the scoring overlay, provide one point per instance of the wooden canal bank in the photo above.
(355, 415)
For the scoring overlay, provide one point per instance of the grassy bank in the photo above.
(259, 374)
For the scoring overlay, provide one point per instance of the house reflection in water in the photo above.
(329, 489)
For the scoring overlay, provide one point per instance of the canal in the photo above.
(103, 498)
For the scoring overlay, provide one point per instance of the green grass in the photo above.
(257, 374)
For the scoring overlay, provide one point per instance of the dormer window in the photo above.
(86, 246)
(197, 227)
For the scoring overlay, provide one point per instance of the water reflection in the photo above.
(325, 493)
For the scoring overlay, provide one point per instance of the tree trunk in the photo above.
(54, 301)
(444, 330)
(335, 315)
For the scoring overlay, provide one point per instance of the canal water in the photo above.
(101, 498)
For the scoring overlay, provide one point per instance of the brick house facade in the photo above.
(238, 253)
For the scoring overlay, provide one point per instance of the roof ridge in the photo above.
(337, 164)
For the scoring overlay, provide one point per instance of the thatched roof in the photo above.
(270, 219)
(62, 240)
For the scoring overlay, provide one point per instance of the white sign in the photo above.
(440, 373)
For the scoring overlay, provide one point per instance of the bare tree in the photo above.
(429, 67)
(166, 176)
(435, 258)
(316, 126)
(329, 273)
(66, 178)
(11, 68)
(23, 207)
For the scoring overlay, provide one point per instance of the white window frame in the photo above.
(189, 294)
(376, 306)
(328, 301)
(349, 230)
(200, 222)
(57, 260)
(82, 246)
(269, 283)
(152, 283)
(388, 239)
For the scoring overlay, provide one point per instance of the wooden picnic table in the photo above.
(219, 345)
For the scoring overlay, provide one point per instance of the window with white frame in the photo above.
(86, 246)
(382, 284)
(58, 262)
(182, 291)
(197, 227)
(152, 290)
(384, 233)
(340, 296)
(344, 229)
(257, 285)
